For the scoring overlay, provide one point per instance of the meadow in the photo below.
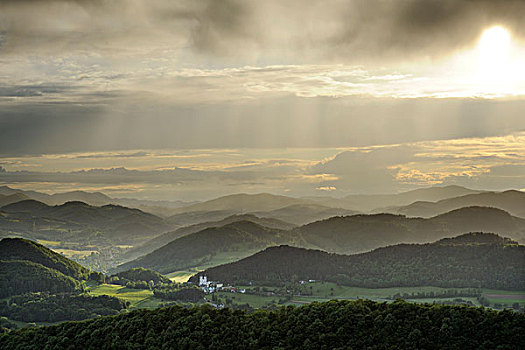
(138, 298)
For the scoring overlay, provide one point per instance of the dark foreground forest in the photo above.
(331, 325)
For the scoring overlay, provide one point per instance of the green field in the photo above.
(138, 298)
(320, 291)
(182, 276)
(504, 297)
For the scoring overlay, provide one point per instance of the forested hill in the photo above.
(78, 221)
(168, 237)
(142, 275)
(342, 235)
(19, 277)
(360, 233)
(23, 249)
(470, 260)
(231, 242)
(511, 201)
(80, 212)
(330, 325)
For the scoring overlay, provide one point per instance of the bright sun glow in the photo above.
(494, 46)
(494, 49)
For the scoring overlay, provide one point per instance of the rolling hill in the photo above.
(342, 235)
(360, 233)
(93, 198)
(164, 208)
(78, 221)
(12, 198)
(212, 246)
(167, 237)
(374, 203)
(19, 277)
(301, 214)
(469, 260)
(26, 266)
(22, 249)
(511, 201)
(243, 203)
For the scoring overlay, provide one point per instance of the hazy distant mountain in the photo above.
(12, 198)
(212, 246)
(198, 217)
(164, 208)
(167, 237)
(5, 190)
(79, 221)
(159, 208)
(510, 201)
(93, 198)
(293, 210)
(244, 203)
(469, 260)
(343, 235)
(301, 214)
(368, 203)
(359, 233)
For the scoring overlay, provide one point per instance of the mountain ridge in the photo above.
(477, 260)
(352, 234)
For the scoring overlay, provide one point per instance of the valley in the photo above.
(250, 261)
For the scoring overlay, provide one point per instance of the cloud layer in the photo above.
(496, 163)
(256, 30)
(93, 92)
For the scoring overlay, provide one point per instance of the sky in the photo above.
(195, 99)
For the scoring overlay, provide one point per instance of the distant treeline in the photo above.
(451, 293)
(331, 325)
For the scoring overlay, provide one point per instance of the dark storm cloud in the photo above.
(55, 26)
(420, 28)
(291, 30)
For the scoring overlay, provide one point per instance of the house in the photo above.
(203, 281)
